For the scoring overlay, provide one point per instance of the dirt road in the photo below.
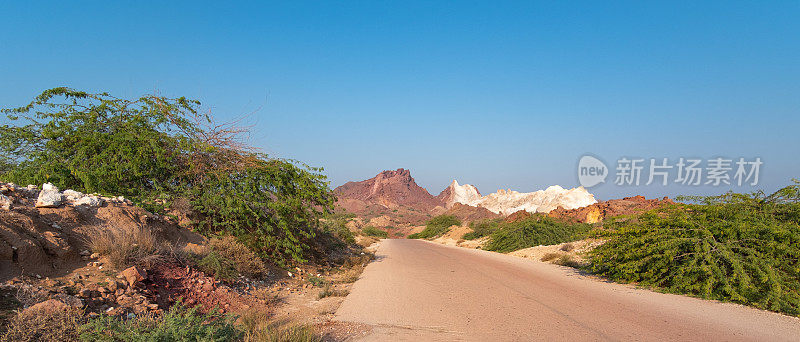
(420, 291)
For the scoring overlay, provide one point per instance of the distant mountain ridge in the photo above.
(397, 189)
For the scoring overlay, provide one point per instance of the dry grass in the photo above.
(246, 262)
(550, 256)
(27, 296)
(567, 247)
(43, 325)
(125, 248)
(350, 276)
(568, 260)
(258, 328)
(329, 291)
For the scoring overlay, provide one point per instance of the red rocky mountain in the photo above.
(390, 189)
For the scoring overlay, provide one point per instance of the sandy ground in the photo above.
(576, 249)
(421, 291)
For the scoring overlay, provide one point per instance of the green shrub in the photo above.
(336, 225)
(156, 149)
(177, 324)
(372, 231)
(316, 281)
(738, 248)
(535, 231)
(220, 267)
(436, 226)
(481, 229)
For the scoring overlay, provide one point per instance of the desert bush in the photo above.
(481, 228)
(372, 231)
(220, 267)
(244, 260)
(550, 256)
(316, 281)
(44, 325)
(329, 291)
(177, 324)
(535, 231)
(155, 149)
(124, 247)
(568, 260)
(567, 247)
(735, 247)
(436, 226)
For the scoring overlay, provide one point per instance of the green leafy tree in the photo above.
(155, 149)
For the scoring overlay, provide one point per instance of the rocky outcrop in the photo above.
(455, 193)
(612, 208)
(467, 213)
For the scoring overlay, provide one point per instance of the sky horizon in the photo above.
(497, 95)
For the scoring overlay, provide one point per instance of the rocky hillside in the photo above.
(389, 189)
(45, 232)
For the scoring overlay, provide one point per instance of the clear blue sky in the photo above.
(496, 94)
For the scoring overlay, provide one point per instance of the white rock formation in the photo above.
(464, 194)
(506, 202)
(49, 197)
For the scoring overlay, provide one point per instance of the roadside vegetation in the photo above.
(482, 228)
(155, 150)
(257, 212)
(179, 323)
(742, 248)
(372, 231)
(534, 231)
(436, 226)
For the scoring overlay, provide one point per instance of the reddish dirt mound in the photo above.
(602, 210)
(47, 242)
(171, 282)
(518, 216)
(468, 213)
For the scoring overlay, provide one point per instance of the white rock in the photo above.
(5, 202)
(49, 197)
(72, 195)
(90, 200)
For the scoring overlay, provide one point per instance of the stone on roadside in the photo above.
(49, 197)
(48, 306)
(5, 202)
(134, 275)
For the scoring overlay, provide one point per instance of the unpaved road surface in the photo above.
(420, 291)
